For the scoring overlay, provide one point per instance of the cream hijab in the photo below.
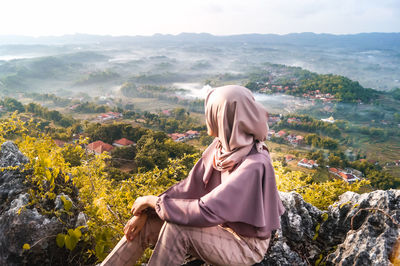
(237, 121)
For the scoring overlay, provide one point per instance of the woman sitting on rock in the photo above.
(224, 211)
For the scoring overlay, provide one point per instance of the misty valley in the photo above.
(90, 123)
(148, 80)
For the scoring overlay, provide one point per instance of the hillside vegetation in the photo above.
(84, 180)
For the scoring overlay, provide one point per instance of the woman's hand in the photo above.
(142, 203)
(134, 225)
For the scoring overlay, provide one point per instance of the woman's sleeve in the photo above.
(193, 187)
(190, 187)
(225, 203)
(181, 203)
(191, 212)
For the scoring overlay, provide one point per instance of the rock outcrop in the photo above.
(19, 223)
(356, 230)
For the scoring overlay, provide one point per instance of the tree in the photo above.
(123, 155)
(150, 154)
(12, 104)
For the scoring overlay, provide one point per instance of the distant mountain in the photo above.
(362, 40)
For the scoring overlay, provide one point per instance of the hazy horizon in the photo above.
(177, 34)
(225, 17)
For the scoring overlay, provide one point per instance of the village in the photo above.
(349, 175)
(296, 140)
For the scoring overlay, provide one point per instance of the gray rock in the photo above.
(11, 181)
(10, 155)
(59, 204)
(81, 220)
(371, 242)
(281, 254)
(293, 243)
(21, 224)
(374, 235)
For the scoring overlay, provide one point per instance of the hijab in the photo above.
(237, 121)
(223, 186)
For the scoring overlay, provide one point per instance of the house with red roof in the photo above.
(273, 119)
(281, 133)
(289, 157)
(109, 116)
(98, 147)
(299, 139)
(177, 136)
(293, 120)
(348, 177)
(73, 107)
(310, 164)
(271, 133)
(333, 170)
(124, 142)
(192, 134)
(166, 112)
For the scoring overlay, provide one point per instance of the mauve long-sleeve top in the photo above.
(246, 199)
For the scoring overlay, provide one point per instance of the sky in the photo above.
(219, 17)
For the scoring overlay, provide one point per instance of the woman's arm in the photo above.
(212, 208)
(142, 203)
(193, 187)
(248, 195)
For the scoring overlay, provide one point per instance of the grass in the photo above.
(152, 104)
(383, 152)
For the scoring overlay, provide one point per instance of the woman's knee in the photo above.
(175, 231)
(171, 227)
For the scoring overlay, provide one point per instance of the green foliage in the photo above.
(90, 107)
(253, 86)
(155, 148)
(180, 121)
(159, 78)
(129, 89)
(69, 240)
(320, 195)
(318, 156)
(383, 180)
(342, 88)
(12, 104)
(396, 117)
(110, 132)
(67, 203)
(310, 124)
(122, 155)
(97, 77)
(205, 139)
(379, 179)
(52, 115)
(104, 200)
(395, 93)
(49, 97)
(321, 142)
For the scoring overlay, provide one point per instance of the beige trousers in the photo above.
(214, 245)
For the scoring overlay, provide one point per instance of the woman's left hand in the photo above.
(134, 226)
(142, 203)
